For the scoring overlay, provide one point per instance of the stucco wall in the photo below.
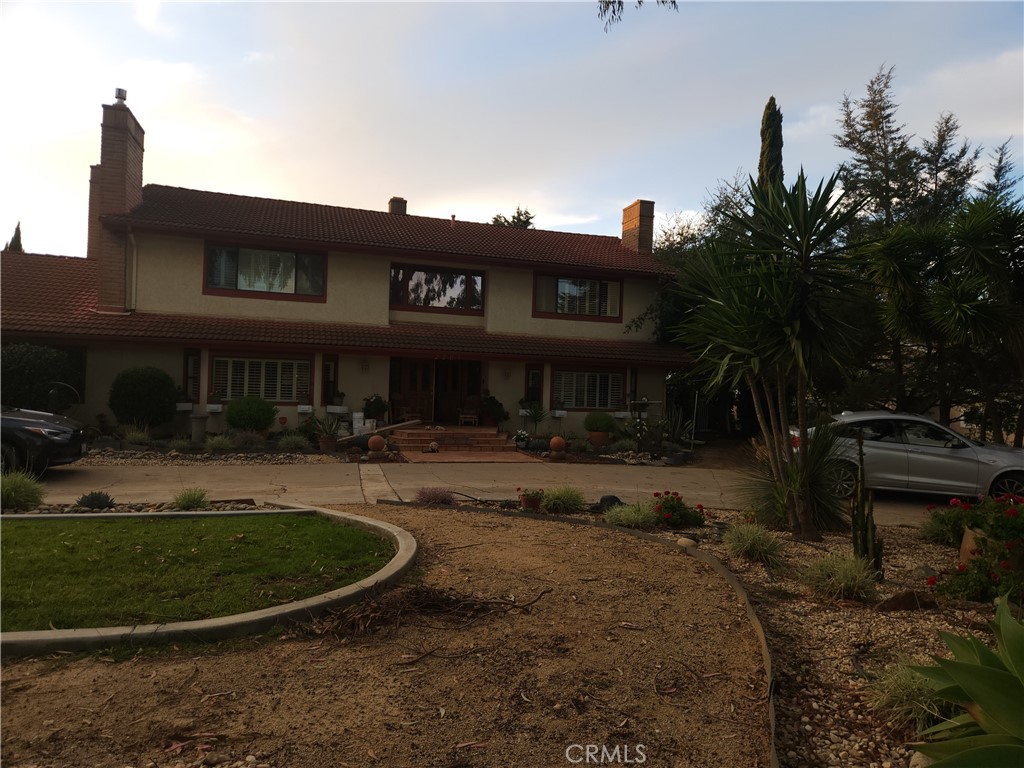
(104, 362)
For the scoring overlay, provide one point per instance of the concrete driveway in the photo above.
(320, 484)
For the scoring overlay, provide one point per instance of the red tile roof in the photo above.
(54, 298)
(213, 214)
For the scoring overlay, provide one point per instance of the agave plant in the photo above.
(989, 685)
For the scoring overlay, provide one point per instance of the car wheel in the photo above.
(9, 458)
(845, 482)
(1012, 483)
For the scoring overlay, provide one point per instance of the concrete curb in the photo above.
(16, 644)
(705, 557)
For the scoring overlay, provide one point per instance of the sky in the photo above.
(475, 108)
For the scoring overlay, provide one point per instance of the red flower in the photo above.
(518, 489)
(931, 507)
(700, 507)
(1004, 564)
(667, 516)
(676, 494)
(658, 508)
(932, 581)
(961, 567)
(1012, 512)
(954, 502)
(657, 494)
(995, 578)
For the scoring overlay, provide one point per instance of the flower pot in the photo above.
(599, 439)
(529, 502)
(328, 444)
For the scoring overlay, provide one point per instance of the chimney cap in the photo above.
(120, 94)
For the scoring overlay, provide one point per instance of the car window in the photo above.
(917, 433)
(874, 431)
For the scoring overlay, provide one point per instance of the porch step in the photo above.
(453, 439)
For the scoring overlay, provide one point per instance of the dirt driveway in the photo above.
(522, 644)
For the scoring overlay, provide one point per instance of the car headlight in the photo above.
(52, 434)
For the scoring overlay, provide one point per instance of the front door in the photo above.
(412, 388)
(454, 382)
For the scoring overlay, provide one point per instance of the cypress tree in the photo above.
(15, 242)
(769, 167)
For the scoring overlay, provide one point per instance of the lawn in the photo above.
(63, 574)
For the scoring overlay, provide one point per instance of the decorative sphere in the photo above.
(377, 443)
(557, 443)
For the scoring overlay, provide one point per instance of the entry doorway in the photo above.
(456, 382)
(433, 390)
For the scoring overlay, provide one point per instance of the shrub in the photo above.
(537, 445)
(143, 395)
(673, 512)
(580, 445)
(20, 490)
(218, 444)
(247, 441)
(293, 442)
(599, 421)
(905, 698)
(946, 525)
(990, 687)
(250, 414)
(563, 501)
(136, 433)
(436, 496)
(640, 515)
(508, 504)
(30, 371)
(95, 500)
(183, 446)
(754, 542)
(841, 576)
(191, 498)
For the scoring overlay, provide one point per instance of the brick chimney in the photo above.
(638, 226)
(397, 205)
(115, 186)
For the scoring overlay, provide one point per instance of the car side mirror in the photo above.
(958, 443)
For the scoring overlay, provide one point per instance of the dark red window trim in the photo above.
(586, 318)
(265, 295)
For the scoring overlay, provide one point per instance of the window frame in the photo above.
(557, 392)
(405, 306)
(212, 290)
(557, 276)
(247, 360)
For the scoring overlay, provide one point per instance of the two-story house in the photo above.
(293, 301)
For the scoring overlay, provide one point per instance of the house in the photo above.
(293, 301)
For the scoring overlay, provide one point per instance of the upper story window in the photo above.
(436, 288)
(580, 298)
(257, 270)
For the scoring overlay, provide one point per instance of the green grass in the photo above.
(65, 574)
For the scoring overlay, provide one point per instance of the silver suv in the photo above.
(913, 453)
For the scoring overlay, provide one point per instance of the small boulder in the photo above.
(909, 600)
(604, 504)
(682, 541)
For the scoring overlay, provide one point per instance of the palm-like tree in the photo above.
(763, 301)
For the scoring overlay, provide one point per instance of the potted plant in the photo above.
(374, 407)
(530, 498)
(326, 429)
(521, 438)
(558, 409)
(493, 411)
(599, 424)
(336, 405)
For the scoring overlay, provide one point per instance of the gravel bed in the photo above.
(165, 506)
(825, 651)
(110, 457)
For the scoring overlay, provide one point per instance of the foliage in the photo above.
(248, 441)
(493, 407)
(183, 446)
(625, 445)
(521, 436)
(250, 414)
(989, 685)
(946, 525)
(563, 501)
(20, 490)
(95, 500)
(30, 371)
(218, 444)
(435, 496)
(537, 444)
(769, 166)
(610, 11)
(137, 434)
(754, 542)
(640, 515)
(844, 577)
(647, 433)
(327, 425)
(293, 442)
(190, 499)
(904, 698)
(537, 415)
(599, 421)
(374, 406)
(997, 563)
(143, 395)
(521, 219)
(530, 493)
(14, 244)
(866, 544)
(673, 512)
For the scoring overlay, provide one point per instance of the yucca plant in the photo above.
(20, 490)
(989, 685)
(190, 499)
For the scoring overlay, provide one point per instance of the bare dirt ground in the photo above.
(517, 640)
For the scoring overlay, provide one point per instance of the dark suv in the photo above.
(34, 440)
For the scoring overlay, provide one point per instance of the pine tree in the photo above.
(1003, 180)
(14, 244)
(947, 171)
(521, 219)
(769, 167)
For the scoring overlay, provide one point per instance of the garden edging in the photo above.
(16, 644)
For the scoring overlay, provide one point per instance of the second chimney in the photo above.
(397, 205)
(638, 226)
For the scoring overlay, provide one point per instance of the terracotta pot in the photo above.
(328, 444)
(599, 438)
(529, 502)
